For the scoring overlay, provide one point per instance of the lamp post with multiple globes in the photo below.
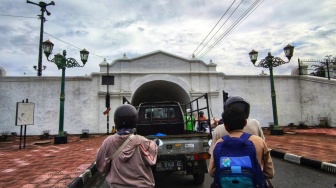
(62, 63)
(269, 62)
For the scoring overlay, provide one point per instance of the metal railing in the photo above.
(318, 67)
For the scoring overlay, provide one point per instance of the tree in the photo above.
(319, 70)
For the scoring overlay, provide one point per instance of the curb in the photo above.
(329, 167)
(83, 178)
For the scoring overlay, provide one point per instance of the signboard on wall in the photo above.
(24, 113)
(107, 80)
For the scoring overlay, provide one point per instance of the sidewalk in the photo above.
(46, 165)
(317, 144)
(43, 164)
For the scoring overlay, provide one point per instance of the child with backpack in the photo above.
(240, 159)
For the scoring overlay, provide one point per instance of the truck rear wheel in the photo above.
(198, 178)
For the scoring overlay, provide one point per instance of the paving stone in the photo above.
(50, 165)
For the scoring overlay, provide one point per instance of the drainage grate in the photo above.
(329, 167)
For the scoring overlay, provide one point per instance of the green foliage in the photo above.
(319, 70)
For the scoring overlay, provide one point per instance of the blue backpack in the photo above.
(236, 164)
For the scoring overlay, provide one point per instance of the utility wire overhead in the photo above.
(243, 16)
(201, 51)
(7, 15)
(213, 27)
(73, 45)
(233, 26)
(220, 27)
(255, 7)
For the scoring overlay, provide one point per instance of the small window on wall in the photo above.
(107, 80)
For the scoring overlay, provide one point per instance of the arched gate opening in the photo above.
(159, 90)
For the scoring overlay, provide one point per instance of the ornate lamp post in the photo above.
(43, 6)
(62, 63)
(270, 62)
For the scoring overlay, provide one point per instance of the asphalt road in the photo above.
(289, 175)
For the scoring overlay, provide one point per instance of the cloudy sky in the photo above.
(110, 28)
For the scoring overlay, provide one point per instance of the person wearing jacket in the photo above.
(252, 126)
(132, 166)
(234, 121)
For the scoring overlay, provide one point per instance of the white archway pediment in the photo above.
(157, 77)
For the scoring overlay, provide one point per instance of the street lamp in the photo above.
(62, 63)
(270, 62)
(43, 6)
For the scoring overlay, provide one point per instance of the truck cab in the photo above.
(161, 117)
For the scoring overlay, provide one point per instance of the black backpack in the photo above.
(236, 164)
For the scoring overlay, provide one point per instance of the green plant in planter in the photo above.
(85, 133)
(45, 134)
(302, 125)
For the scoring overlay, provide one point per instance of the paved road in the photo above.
(288, 175)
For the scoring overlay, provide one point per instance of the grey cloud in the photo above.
(315, 28)
(124, 23)
(5, 30)
(326, 33)
(77, 33)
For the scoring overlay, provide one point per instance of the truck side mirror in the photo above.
(158, 142)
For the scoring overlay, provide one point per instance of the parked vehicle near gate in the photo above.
(180, 150)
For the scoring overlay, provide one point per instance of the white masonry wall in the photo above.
(80, 109)
(299, 98)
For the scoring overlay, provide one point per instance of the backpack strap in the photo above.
(245, 136)
(226, 137)
(129, 138)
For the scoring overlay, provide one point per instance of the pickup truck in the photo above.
(180, 150)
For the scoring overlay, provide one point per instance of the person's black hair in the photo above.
(234, 118)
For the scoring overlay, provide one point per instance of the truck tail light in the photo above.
(201, 156)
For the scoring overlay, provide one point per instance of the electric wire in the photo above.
(230, 29)
(213, 27)
(227, 31)
(7, 15)
(54, 36)
(221, 26)
(246, 14)
(74, 45)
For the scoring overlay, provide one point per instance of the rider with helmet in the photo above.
(252, 126)
(235, 117)
(132, 166)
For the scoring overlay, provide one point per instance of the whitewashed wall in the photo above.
(257, 90)
(318, 100)
(299, 98)
(80, 110)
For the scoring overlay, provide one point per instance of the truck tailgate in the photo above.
(182, 144)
